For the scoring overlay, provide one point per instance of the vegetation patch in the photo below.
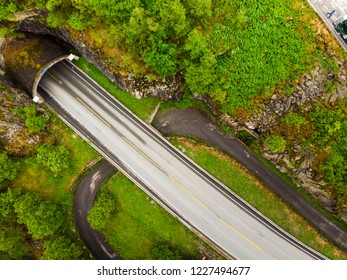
(275, 143)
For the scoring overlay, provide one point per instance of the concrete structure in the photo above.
(27, 59)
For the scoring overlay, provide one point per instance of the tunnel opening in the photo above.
(28, 58)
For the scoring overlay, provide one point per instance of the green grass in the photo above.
(33, 177)
(243, 184)
(142, 229)
(143, 108)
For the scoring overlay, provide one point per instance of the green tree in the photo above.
(294, 119)
(335, 170)
(160, 56)
(102, 210)
(198, 8)
(8, 168)
(201, 76)
(7, 8)
(7, 200)
(41, 218)
(55, 158)
(196, 45)
(33, 121)
(12, 242)
(172, 17)
(61, 248)
(329, 125)
(275, 143)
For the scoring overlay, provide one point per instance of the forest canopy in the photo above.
(234, 50)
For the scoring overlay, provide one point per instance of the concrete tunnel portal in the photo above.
(27, 59)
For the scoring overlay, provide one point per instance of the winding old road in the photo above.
(84, 197)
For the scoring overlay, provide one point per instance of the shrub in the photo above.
(294, 119)
(275, 143)
(102, 210)
(8, 168)
(55, 158)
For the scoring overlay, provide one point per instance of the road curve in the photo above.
(173, 180)
(84, 197)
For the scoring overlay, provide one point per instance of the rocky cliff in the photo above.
(15, 138)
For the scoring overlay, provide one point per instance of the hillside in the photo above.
(268, 70)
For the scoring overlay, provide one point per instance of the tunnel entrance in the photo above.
(27, 59)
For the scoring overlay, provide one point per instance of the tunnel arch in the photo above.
(27, 58)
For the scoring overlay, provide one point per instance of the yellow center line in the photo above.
(140, 152)
(240, 234)
(145, 156)
(91, 110)
(171, 178)
(187, 192)
(60, 82)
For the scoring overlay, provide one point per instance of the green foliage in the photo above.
(294, 119)
(61, 248)
(51, 5)
(330, 130)
(55, 19)
(7, 8)
(78, 21)
(12, 241)
(55, 158)
(8, 168)
(102, 210)
(172, 17)
(160, 56)
(329, 125)
(33, 121)
(198, 8)
(4, 32)
(201, 76)
(7, 200)
(335, 170)
(163, 250)
(275, 143)
(41, 218)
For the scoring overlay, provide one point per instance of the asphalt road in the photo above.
(182, 188)
(84, 197)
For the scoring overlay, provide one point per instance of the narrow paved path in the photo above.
(84, 197)
(192, 122)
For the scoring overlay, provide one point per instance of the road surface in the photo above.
(173, 180)
(84, 197)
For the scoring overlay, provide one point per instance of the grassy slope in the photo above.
(143, 108)
(32, 177)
